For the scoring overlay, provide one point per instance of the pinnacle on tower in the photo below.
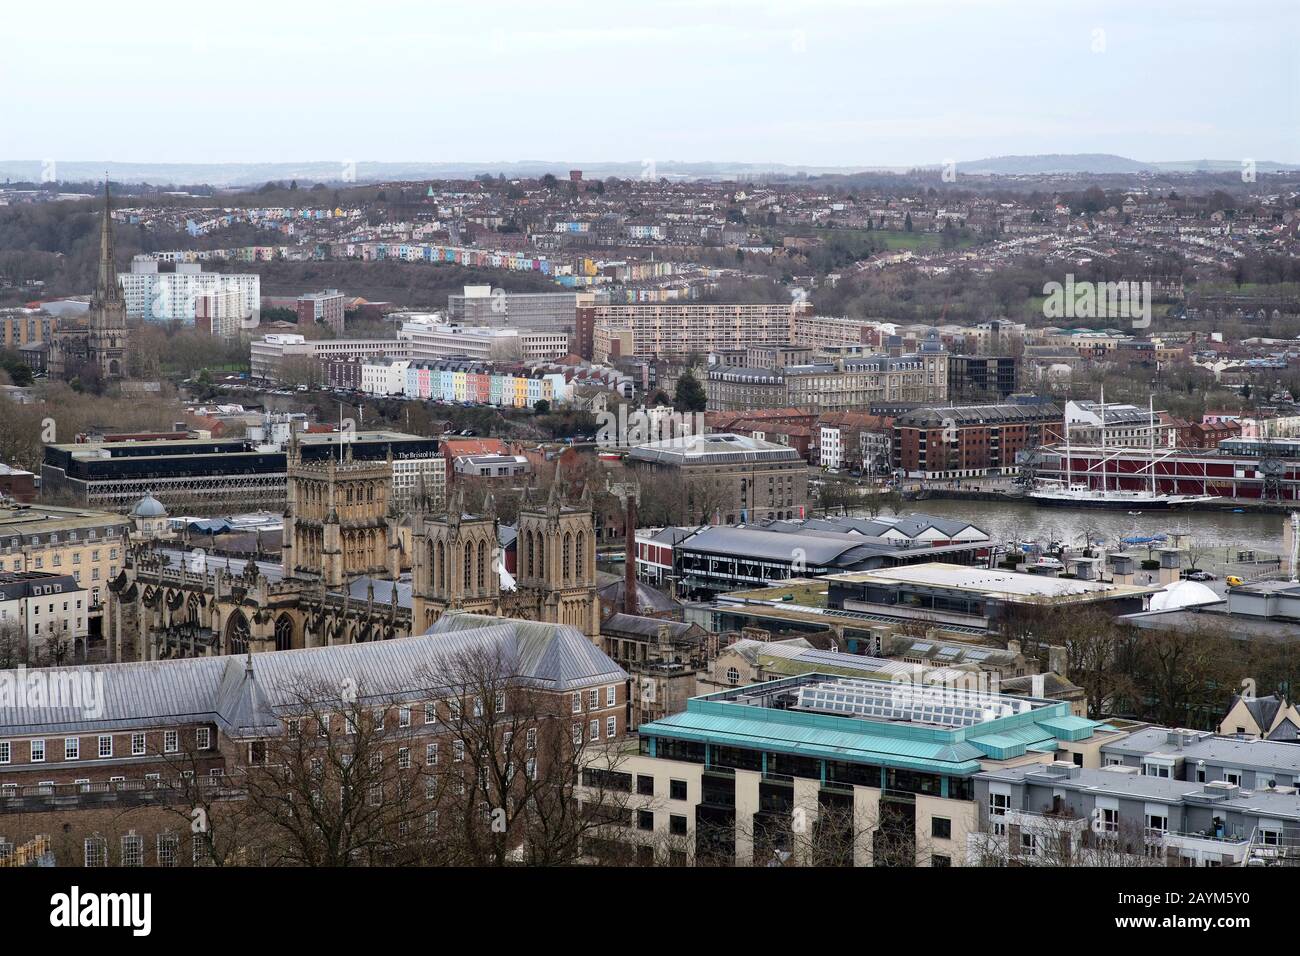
(106, 288)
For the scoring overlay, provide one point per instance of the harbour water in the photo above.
(1015, 521)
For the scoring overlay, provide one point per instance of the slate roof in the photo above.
(243, 695)
(648, 627)
(647, 598)
(935, 417)
(555, 655)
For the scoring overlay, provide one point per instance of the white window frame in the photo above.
(139, 744)
(171, 741)
(132, 850)
(203, 738)
(105, 743)
(101, 854)
(165, 849)
(71, 748)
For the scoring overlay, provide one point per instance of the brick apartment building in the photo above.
(966, 441)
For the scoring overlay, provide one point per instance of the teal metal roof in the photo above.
(1070, 727)
(824, 743)
(999, 746)
(723, 721)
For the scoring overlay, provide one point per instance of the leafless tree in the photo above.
(342, 785)
(529, 784)
(13, 645)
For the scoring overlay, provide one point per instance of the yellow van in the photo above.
(1233, 581)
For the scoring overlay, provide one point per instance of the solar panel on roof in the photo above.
(942, 706)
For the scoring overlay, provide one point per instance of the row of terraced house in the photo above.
(464, 383)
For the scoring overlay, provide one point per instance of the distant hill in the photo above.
(1054, 163)
(1104, 164)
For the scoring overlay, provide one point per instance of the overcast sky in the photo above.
(810, 82)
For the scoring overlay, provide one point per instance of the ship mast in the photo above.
(1103, 441)
(1069, 475)
(1151, 425)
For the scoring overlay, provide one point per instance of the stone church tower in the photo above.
(339, 523)
(102, 341)
(555, 565)
(106, 338)
(457, 563)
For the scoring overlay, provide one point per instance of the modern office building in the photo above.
(941, 594)
(481, 305)
(829, 768)
(271, 357)
(221, 476)
(431, 341)
(981, 378)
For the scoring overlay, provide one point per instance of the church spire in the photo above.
(107, 289)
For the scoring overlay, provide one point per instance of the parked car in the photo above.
(1199, 576)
